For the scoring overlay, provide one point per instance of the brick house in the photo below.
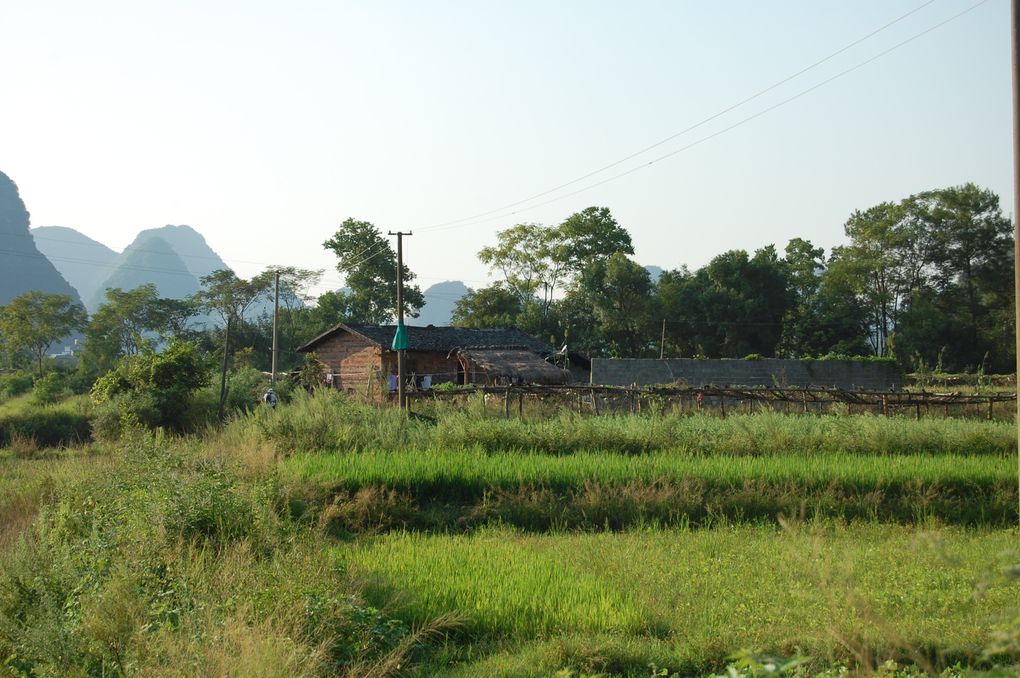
(358, 358)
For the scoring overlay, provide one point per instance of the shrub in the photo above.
(15, 384)
(164, 382)
(48, 389)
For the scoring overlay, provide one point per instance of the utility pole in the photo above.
(400, 342)
(223, 373)
(1015, 20)
(662, 342)
(276, 322)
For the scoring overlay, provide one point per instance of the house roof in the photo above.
(515, 364)
(435, 339)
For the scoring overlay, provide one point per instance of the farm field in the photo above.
(686, 598)
(332, 538)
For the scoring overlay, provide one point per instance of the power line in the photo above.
(458, 224)
(694, 126)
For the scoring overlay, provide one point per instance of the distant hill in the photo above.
(439, 302)
(82, 261)
(149, 259)
(23, 267)
(190, 246)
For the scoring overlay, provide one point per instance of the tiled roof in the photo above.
(435, 339)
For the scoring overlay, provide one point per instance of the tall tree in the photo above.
(34, 320)
(532, 259)
(129, 321)
(368, 263)
(593, 235)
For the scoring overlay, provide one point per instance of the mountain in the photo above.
(23, 267)
(149, 259)
(439, 302)
(82, 261)
(190, 246)
(654, 273)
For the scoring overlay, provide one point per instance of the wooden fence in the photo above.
(723, 400)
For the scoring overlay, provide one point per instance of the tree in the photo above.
(620, 294)
(368, 264)
(487, 308)
(229, 296)
(934, 273)
(970, 260)
(533, 260)
(729, 308)
(825, 317)
(592, 235)
(128, 321)
(34, 320)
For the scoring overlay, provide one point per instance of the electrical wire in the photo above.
(717, 133)
(692, 127)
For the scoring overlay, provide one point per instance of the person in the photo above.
(270, 398)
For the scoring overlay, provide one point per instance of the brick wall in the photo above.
(846, 374)
(353, 362)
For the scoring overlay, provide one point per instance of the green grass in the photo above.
(466, 488)
(60, 424)
(689, 598)
(329, 422)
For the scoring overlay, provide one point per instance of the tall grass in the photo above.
(166, 562)
(329, 422)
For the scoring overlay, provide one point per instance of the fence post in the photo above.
(722, 405)
(506, 403)
(917, 406)
(594, 402)
(990, 405)
(885, 405)
(520, 403)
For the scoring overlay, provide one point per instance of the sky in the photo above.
(264, 125)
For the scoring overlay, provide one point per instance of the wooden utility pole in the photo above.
(276, 322)
(662, 341)
(1014, 19)
(400, 338)
(223, 373)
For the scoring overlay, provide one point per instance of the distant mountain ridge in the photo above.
(23, 268)
(174, 258)
(439, 302)
(82, 261)
(149, 259)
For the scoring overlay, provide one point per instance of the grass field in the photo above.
(331, 538)
(691, 597)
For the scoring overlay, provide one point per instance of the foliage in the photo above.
(130, 320)
(154, 388)
(34, 320)
(368, 264)
(169, 563)
(15, 384)
(48, 389)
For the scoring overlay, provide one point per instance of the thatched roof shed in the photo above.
(511, 365)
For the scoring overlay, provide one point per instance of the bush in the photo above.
(246, 388)
(48, 389)
(15, 384)
(164, 383)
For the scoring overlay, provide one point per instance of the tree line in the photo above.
(926, 280)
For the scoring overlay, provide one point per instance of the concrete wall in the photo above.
(861, 375)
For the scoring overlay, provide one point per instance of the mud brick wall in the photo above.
(860, 375)
(352, 362)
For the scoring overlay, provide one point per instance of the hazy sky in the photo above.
(264, 125)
